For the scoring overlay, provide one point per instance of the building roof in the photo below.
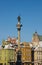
(39, 36)
(35, 34)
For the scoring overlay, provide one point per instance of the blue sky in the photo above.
(31, 18)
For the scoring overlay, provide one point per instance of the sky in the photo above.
(31, 18)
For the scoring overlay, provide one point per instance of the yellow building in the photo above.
(26, 53)
(7, 56)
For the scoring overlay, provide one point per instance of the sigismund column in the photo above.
(19, 53)
(19, 25)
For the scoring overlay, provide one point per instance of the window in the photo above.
(5, 64)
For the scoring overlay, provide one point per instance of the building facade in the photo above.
(38, 56)
(7, 56)
(26, 53)
(31, 52)
(37, 45)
